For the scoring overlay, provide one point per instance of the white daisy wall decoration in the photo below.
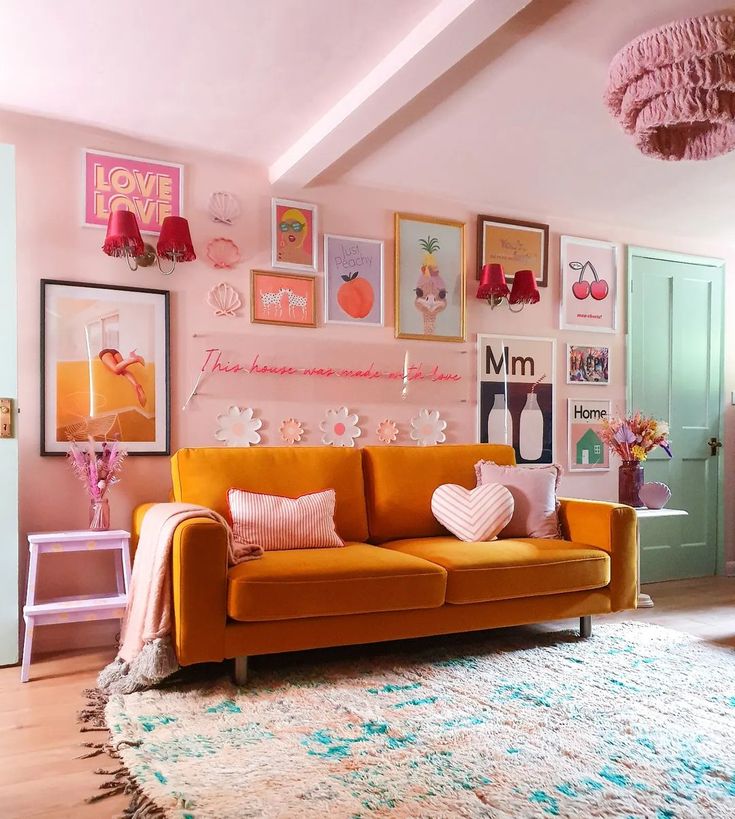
(427, 428)
(237, 427)
(339, 427)
(387, 431)
(291, 430)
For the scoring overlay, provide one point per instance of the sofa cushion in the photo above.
(504, 569)
(400, 480)
(204, 476)
(354, 580)
(275, 522)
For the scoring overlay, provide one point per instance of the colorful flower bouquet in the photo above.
(632, 437)
(98, 471)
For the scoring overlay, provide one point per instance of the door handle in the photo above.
(713, 445)
(6, 418)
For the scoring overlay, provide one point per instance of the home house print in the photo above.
(587, 451)
(590, 449)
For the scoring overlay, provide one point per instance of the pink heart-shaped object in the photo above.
(581, 290)
(599, 290)
(473, 514)
(655, 494)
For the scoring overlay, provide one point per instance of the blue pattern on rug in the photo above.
(636, 722)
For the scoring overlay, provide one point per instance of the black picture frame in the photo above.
(542, 276)
(59, 448)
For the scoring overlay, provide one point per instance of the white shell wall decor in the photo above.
(223, 207)
(223, 253)
(224, 300)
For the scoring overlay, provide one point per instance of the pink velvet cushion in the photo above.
(277, 523)
(534, 496)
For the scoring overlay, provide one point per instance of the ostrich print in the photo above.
(431, 291)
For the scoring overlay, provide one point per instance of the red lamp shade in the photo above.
(492, 282)
(175, 240)
(123, 236)
(524, 289)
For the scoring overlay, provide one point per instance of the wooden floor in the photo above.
(39, 737)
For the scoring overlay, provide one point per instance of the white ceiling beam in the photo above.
(447, 34)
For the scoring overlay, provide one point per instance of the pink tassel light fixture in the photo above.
(673, 88)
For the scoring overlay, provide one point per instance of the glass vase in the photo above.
(99, 515)
(630, 481)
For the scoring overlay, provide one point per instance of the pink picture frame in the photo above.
(152, 189)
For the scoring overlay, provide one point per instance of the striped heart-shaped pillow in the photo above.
(473, 514)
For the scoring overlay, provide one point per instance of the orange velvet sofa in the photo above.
(400, 575)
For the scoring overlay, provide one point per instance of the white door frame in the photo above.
(8, 389)
(721, 566)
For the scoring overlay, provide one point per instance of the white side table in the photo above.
(77, 608)
(644, 600)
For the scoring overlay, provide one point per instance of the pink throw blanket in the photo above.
(146, 654)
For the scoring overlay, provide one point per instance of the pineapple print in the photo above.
(431, 291)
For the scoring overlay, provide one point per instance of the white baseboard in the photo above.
(730, 568)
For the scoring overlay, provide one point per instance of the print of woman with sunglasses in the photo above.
(293, 233)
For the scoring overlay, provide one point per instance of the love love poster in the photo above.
(151, 189)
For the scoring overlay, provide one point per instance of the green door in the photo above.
(675, 309)
(8, 389)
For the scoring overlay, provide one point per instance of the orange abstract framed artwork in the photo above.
(104, 367)
(277, 298)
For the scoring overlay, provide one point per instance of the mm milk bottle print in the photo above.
(499, 422)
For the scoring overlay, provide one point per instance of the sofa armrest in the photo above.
(200, 590)
(612, 527)
(138, 515)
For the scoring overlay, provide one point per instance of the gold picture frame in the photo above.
(290, 301)
(430, 251)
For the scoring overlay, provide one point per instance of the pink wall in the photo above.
(52, 244)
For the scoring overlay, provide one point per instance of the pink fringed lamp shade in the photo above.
(673, 88)
(525, 289)
(123, 236)
(175, 240)
(492, 282)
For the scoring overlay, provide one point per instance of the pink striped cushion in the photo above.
(278, 523)
(473, 514)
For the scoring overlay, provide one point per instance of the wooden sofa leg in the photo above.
(585, 626)
(241, 670)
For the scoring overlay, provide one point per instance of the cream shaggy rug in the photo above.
(638, 721)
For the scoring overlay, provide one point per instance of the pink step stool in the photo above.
(79, 608)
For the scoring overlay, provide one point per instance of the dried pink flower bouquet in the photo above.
(98, 471)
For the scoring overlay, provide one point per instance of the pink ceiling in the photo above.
(516, 127)
(520, 126)
(241, 77)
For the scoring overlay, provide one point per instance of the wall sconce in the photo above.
(124, 240)
(494, 288)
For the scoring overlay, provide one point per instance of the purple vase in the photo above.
(630, 481)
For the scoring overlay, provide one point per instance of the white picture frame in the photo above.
(280, 239)
(509, 366)
(588, 273)
(576, 434)
(361, 257)
(596, 373)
